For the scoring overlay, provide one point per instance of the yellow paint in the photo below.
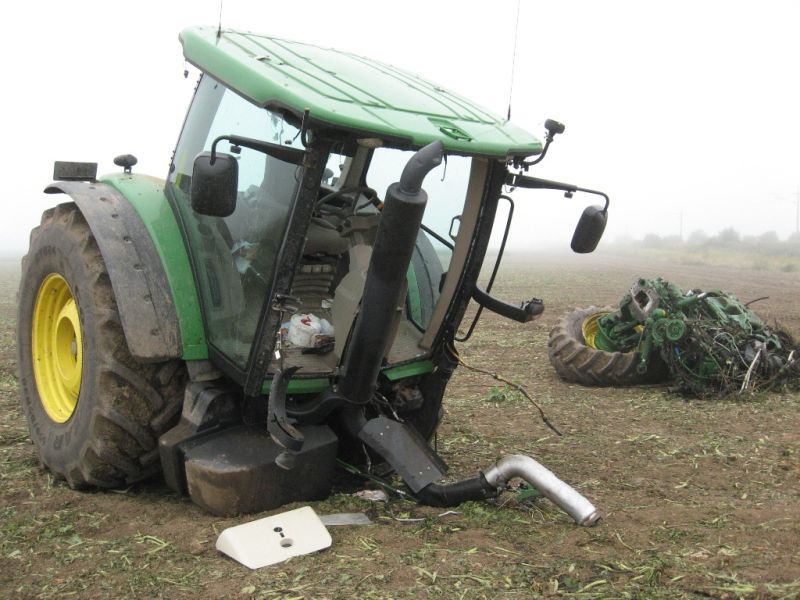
(589, 328)
(57, 348)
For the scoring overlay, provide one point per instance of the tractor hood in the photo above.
(349, 92)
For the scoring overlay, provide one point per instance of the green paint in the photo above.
(413, 295)
(146, 195)
(314, 386)
(710, 341)
(602, 341)
(352, 92)
(409, 370)
(300, 386)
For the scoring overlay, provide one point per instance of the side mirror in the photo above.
(214, 184)
(590, 229)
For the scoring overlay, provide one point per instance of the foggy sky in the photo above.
(680, 111)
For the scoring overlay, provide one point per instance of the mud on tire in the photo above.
(576, 362)
(111, 438)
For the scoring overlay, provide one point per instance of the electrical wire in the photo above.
(498, 377)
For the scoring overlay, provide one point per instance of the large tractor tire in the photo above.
(94, 413)
(577, 362)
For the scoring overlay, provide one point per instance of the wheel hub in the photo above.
(593, 335)
(57, 348)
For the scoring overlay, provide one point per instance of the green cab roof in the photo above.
(350, 92)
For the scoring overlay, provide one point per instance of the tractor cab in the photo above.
(281, 255)
(236, 257)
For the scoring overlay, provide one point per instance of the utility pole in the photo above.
(797, 211)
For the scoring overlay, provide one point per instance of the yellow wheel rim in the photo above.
(57, 348)
(589, 328)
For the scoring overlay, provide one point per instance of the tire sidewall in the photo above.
(657, 370)
(575, 323)
(54, 250)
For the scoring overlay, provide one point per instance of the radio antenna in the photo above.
(219, 28)
(513, 61)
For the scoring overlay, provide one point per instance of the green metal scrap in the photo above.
(711, 342)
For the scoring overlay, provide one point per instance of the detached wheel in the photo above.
(94, 413)
(577, 361)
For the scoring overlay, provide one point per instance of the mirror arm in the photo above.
(524, 181)
(284, 153)
(521, 314)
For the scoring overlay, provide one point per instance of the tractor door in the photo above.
(234, 258)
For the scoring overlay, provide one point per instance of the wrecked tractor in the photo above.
(289, 294)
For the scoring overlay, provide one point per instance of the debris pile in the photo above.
(710, 342)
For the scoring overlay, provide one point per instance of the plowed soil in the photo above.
(699, 498)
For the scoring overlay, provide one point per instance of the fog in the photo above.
(685, 113)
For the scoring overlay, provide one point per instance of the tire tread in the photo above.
(134, 402)
(576, 362)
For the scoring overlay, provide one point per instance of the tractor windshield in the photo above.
(446, 187)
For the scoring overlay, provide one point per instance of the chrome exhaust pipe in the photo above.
(543, 479)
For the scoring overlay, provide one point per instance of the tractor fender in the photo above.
(142, 290)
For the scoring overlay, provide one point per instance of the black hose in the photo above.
(455, 493)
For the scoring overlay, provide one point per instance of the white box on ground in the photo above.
(275, 539)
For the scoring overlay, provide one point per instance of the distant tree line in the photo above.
(766, 243)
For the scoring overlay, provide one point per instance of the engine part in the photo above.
(492, 481)
(386, 275)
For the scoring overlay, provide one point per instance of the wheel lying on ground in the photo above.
(578, 362)
(94, 412)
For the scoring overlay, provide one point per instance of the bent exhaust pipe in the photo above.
(492, 480)
(543, 479)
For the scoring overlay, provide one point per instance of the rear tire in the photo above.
(576, 362)
(107, 436)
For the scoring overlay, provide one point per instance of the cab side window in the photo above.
(234, 257)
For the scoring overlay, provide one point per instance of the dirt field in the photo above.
(699, 499)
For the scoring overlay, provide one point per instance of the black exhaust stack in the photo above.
(398, 443)
(386, 276)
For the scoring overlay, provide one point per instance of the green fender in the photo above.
(146, 196)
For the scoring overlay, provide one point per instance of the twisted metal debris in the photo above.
(711, 342)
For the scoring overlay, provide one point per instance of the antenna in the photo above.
(219, 28)
(513, 62)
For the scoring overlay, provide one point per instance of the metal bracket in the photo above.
(405, 450)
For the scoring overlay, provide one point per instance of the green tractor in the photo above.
(289, 295)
